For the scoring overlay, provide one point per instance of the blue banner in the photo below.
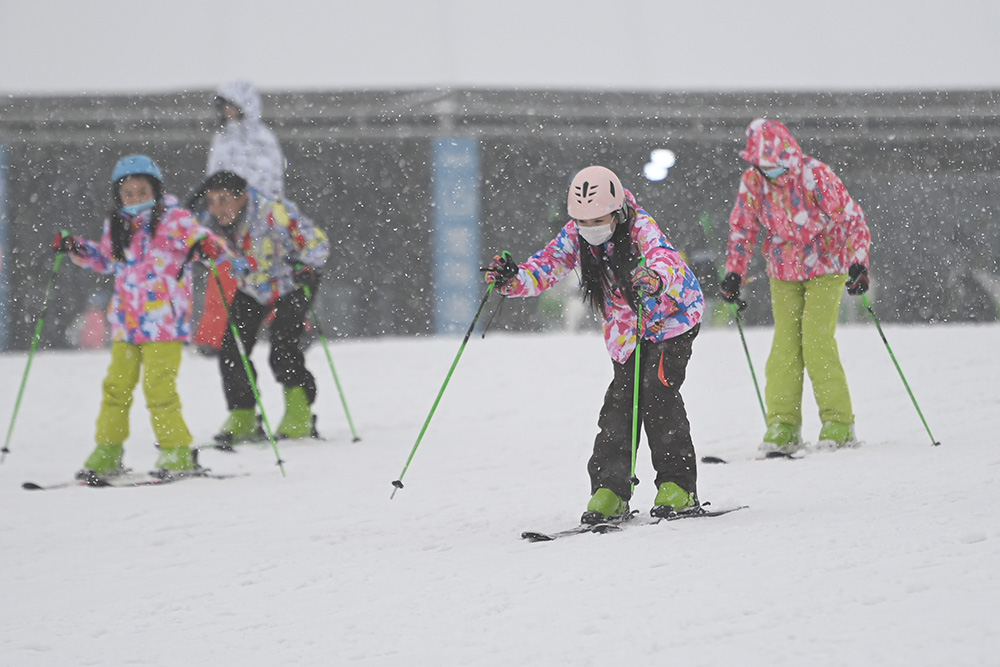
(458, 284)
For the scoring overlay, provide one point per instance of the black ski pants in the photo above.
(286, 360)
(662, 368)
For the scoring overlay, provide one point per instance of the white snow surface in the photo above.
(883, 555)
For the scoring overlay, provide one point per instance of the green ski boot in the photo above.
(240, 426)
(104, 461)
(175, 461)
(834, 435)
(298, 420)
(671, 499)
(783, 438)
(603, 506)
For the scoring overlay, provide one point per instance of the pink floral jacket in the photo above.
(812, 226)
(678, 309)
(150, 304)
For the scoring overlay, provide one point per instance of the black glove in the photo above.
(502, 270)
(857, 282)
(729, 288)
(63, 242)
(306, 276)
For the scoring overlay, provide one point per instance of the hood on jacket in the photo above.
(244, 95)
(770, 144)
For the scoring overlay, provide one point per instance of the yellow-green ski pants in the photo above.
(160, 363)
(805, 321)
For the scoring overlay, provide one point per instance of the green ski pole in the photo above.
(737, 308)
(398, 484)
(871, 311)
(329, 361)
(31, 355)
(635, 391)
(246, 363)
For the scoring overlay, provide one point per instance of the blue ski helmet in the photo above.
(131, 165)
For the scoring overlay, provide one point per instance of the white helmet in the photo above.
(594, 193)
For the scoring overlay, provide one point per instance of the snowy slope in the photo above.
(885, 555)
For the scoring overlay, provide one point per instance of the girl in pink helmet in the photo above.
(627, 266)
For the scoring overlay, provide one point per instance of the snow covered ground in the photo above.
(884, 555)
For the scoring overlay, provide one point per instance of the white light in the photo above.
(663, 157)
(660, 162)
(654, 172)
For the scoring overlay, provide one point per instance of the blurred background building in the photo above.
(420, 188)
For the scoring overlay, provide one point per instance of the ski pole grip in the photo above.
(190, 256)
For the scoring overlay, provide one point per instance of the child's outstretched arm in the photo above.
(82, 252)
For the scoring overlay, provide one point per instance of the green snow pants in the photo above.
(160, 363)
(805, 321)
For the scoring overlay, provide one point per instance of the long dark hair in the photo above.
(121, 228)
(601, 274)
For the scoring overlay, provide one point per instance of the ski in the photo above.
(127, 481)
(699, 513)
(630, 520)
(597, 528)
(766, 457)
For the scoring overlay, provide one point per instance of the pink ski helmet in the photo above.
(593, 193)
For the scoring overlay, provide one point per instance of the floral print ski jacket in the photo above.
(150, 304)
(678, 309)
(274, 236)
(813, 226)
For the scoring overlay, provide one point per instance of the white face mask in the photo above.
(596, 235)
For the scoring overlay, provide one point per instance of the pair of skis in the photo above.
(630, 519)
(765, 457)
(129, 480)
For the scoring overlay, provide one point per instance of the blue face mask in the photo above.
(773, 173)
(136, 209)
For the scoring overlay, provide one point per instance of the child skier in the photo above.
(627, 266)
(145, 242)
(285, 251)
(816, 237)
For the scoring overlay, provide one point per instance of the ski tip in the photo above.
(535, 537)
(31, 486)
(712, 459)
(781, 455)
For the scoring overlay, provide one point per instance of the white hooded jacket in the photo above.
(247, 147)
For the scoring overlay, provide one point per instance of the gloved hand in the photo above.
(63, 242)
(239, 266)
(502, 270)
(306, 276)
(729, 288)
(208, 248)
(857, 281)
(647, 282)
